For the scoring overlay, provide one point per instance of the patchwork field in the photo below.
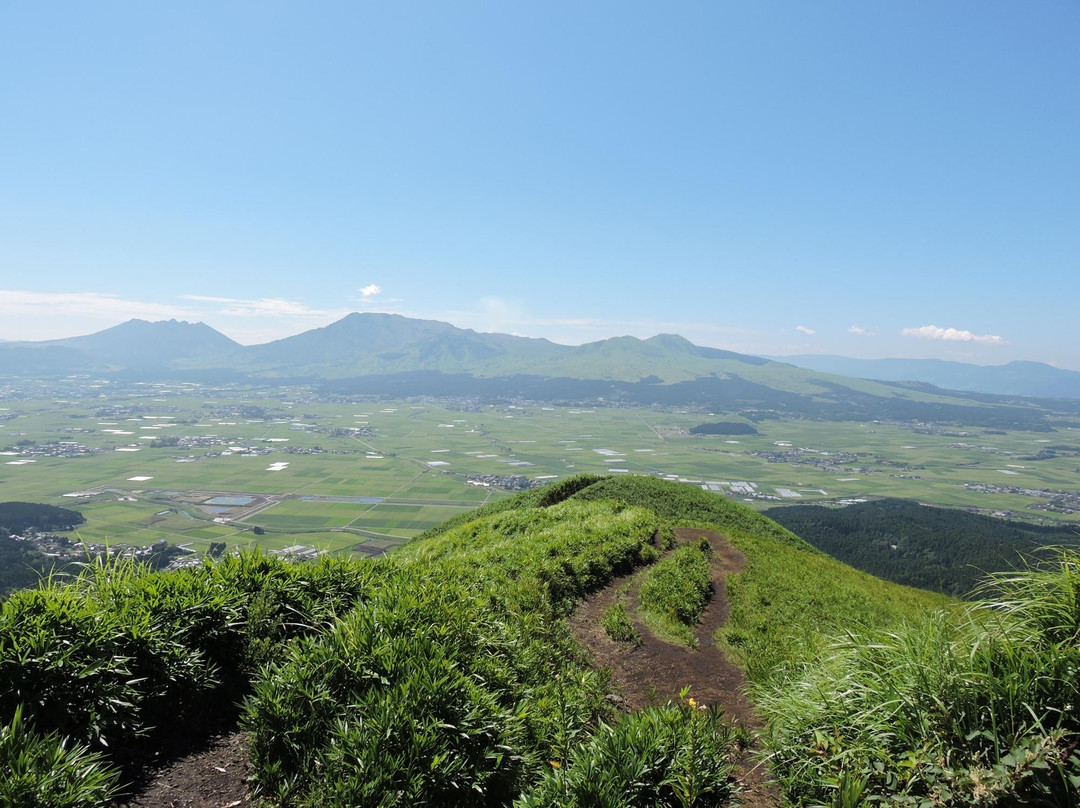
(198, 465)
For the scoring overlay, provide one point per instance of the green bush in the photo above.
(389, 702)
(456, 675)
(44, 771)
(121, 650)
(87, 672)
(617, 624)
(676, 591)
(675, 756)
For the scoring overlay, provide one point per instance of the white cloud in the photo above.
(951, 335)
(370, 291)
(802, 329)
(862, 331)
(267, 307)
(85, 304)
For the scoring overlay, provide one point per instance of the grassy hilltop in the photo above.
(447, 674)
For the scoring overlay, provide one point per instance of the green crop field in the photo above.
(144, 463)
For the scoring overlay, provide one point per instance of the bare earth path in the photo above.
(214, 775)
(656, 671)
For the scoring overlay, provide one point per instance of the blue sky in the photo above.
(867, 179)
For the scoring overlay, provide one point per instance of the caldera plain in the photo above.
(196, 464)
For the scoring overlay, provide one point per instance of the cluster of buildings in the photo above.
(510, 482)
(1055, 501)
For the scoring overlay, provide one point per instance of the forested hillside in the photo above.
(22, 564)
(942, 549)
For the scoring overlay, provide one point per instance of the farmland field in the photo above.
(195, 465)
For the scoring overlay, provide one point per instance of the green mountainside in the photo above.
(941, 549)
(446, 673)
(21, 563)
(391, 355)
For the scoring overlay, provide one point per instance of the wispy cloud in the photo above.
(951, 335)
(513, 317)
(266, 307)
(85, 304)
(370, 291)
(802, 329)
(862, 331)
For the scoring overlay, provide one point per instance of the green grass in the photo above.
(675, 592)
(446, 673)
(47, 771)
(790, 597)
(618, 626)
(969, 709)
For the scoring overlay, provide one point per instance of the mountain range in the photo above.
(1012, 379)
(392, 355)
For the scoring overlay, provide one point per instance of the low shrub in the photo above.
(676, 591)
(88, 672)
(394, 692)
(121, 650)
(45, 771)
(616, 623)
(676, 756)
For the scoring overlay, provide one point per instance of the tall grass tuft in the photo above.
(676, 591)
(120, 651)
(978, 708)
(617, 625)
(389, 702)
(45, 771)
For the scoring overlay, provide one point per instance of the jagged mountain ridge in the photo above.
(370, 344)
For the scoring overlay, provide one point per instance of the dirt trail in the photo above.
(656, 671)
(214, 776)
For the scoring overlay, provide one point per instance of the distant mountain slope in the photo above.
(365, 344)
(138, 343)
(135, 346)
(391, 355)
(1014, 378)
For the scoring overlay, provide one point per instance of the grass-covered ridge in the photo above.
(446, 674)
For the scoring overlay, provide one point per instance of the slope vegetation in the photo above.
(447, 673)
